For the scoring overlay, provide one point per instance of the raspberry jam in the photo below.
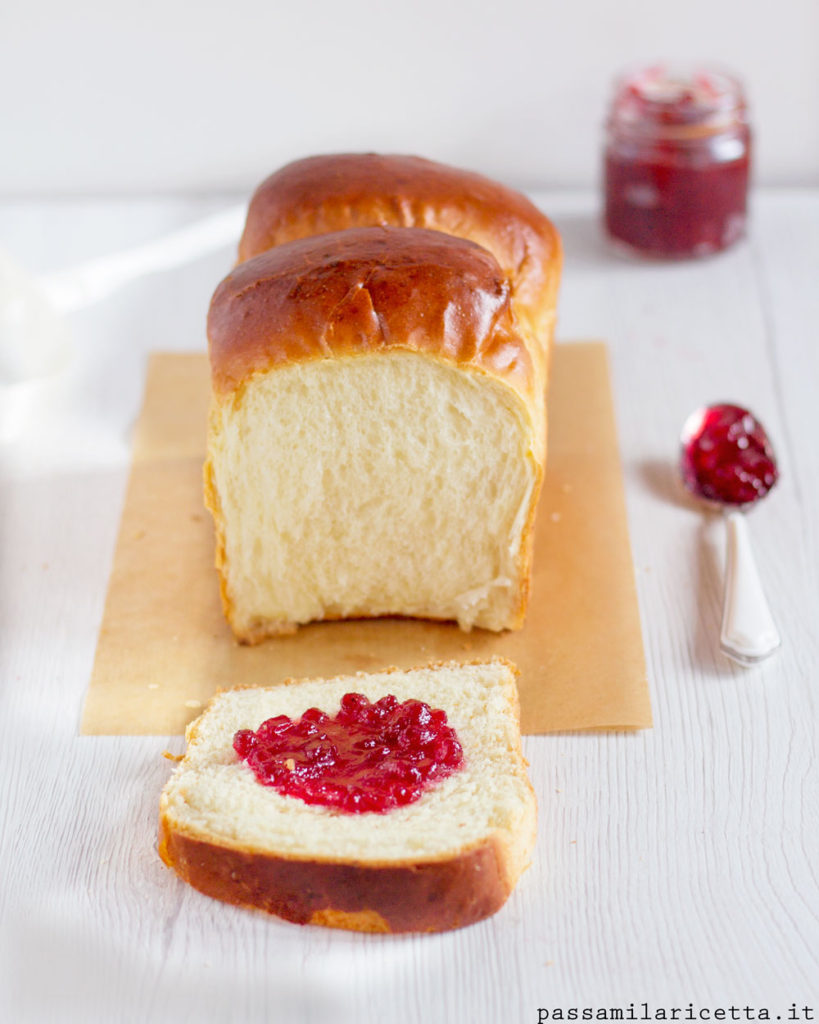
(367, 757)
(727, 456)
(677, 163)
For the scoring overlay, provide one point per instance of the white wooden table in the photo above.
(676, 866)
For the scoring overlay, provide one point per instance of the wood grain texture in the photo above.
(673, 866)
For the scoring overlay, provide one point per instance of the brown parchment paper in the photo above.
(164, 647)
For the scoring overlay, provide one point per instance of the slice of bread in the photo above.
(448, 860)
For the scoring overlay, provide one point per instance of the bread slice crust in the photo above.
(431, 896)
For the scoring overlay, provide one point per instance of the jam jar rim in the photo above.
(633, 114)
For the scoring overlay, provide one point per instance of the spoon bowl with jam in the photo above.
(727, 461)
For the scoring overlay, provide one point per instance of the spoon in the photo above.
(728, 462)
(34, 337)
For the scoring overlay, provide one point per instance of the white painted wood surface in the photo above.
(674, 867)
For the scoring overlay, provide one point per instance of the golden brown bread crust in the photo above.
(360, 291)
(428, 896)
(334, 192)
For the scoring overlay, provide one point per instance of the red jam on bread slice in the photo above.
(366, 757)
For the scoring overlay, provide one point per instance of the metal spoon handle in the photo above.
(748, 633)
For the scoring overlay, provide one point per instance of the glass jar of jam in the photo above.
(677, 162)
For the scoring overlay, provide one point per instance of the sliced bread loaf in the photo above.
(447, 860)
(377, 434)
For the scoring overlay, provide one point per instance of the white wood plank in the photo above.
(674, 866)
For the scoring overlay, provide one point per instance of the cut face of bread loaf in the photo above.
(445, 861)
(377, 434)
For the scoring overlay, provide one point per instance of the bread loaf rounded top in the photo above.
(363, 290)
(328, 193)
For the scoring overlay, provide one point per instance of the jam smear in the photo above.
(728, 457)
(367, 757)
